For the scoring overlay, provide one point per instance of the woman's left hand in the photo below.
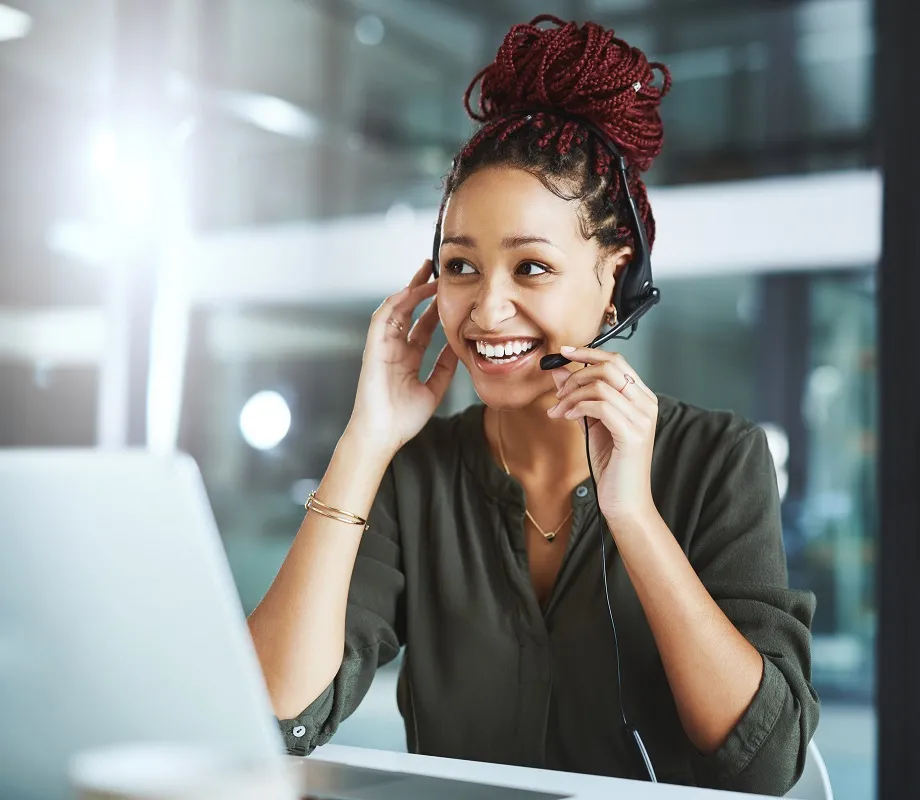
(622, 415)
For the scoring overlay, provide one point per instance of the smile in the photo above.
(494, 357)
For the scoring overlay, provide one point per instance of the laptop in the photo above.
(120, 622)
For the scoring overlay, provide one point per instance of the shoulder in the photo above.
(441, 447)
(686, 428)
(435, 472)
(700, 450)
(717, 487)
(443, 435)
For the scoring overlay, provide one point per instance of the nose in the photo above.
(494, 303)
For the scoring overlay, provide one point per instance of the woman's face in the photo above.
(518, 280)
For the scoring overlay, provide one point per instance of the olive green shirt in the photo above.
(490, 675)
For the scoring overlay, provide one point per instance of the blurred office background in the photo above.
(204, 200)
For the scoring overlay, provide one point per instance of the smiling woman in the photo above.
(529, 254)
(480, 555)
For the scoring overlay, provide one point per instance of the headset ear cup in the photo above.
(435, 251)
(635, 280)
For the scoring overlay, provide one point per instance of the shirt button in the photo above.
(299, 731)
(581, 491)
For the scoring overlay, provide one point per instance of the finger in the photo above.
(407, 301)
(603, 392)
(415, 296)
(389, 303)
(423, 274)
(597, 411)
(593, 356)
(585, 355)
(560, 376)
(636, 383)
(423, 328)
(385, 321)
(442, 373)
(608, 372)
(581, 377)
(386, 308)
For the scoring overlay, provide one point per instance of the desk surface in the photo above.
(579, 787)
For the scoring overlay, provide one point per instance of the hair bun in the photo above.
(585, 71)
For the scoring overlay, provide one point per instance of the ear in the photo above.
(621, 259)
(618, 261)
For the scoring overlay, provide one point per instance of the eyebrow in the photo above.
(508, 243)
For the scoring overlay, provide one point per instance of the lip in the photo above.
(489, 368)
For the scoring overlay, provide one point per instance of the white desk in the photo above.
(579, 787)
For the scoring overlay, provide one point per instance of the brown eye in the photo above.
(531, 269)
(459, 267)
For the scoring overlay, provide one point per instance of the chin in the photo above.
(512, 394)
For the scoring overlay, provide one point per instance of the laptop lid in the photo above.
(119, 618)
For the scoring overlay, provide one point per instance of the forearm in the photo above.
(713, 671)
(299, 627)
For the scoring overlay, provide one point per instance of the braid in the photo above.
(584, 71)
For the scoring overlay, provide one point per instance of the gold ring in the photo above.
(395, 323)
(629, 379)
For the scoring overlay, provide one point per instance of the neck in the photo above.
(538, 449)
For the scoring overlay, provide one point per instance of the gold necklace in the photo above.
(548, 535)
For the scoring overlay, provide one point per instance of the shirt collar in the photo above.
(497, 483)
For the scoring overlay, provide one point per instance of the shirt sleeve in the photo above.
(738, 553)
(374, 627)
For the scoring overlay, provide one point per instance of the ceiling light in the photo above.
(369, 30)
(265, 420)
(14, 24)
(269, 113)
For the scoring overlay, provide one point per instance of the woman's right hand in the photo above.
(392, 404)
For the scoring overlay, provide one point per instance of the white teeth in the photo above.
(507, 351)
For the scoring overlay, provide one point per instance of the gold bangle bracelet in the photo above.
(333, 515)
(315, 504)
(336, 517)
(313, 500)
(345, 516)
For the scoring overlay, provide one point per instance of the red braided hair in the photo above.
(584, 71)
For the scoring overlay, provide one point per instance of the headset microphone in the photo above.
(556, 360)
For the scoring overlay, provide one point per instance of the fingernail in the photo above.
(567, 349)
(550, 411)
(571, 413)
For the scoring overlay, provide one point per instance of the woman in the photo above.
(480, 553)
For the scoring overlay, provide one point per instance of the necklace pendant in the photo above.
(550, 535)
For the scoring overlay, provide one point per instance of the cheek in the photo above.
(568, 320)
(451, 313)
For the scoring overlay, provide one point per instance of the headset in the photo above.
(634, 296)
